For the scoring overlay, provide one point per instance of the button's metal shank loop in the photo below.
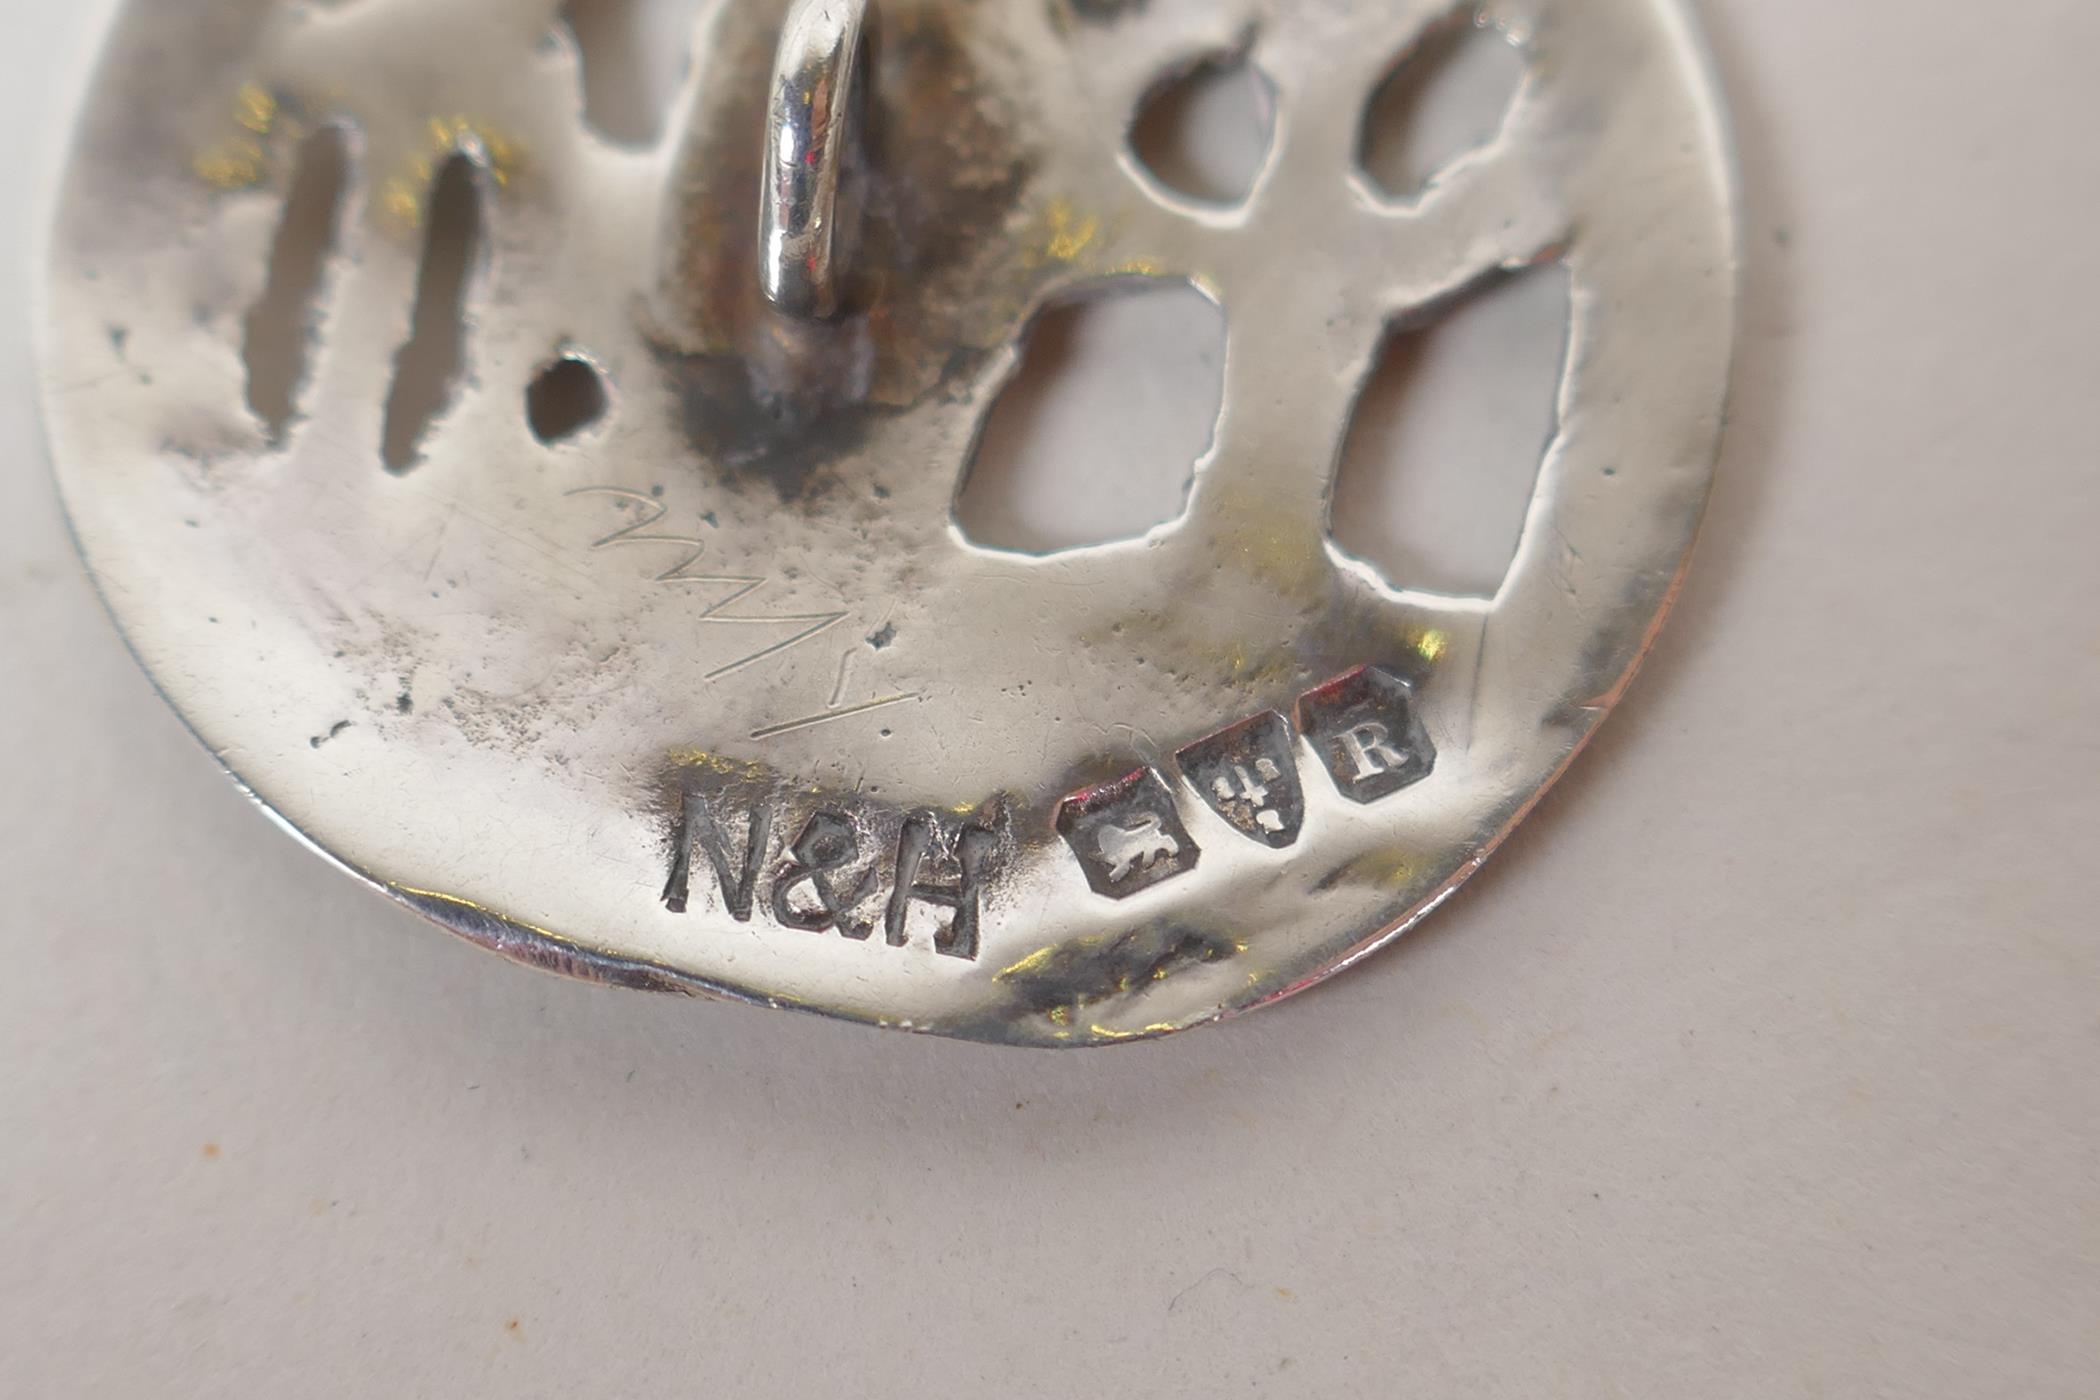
(812, 110)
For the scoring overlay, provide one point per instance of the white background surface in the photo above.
(1765, 1061)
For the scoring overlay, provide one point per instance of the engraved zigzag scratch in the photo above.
(819, 624)
(655, 511)
(741, 586)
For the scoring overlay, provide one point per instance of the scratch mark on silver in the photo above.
(820, 623)
(653, 512)
(811, 722)
(742, 586)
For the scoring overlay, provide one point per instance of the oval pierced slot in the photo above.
(427, 371)
(281, 327)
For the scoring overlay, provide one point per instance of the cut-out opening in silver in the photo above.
(1443, 451)
(1204, 133)
(427, 371)
(567, 397)
(635, 56)
(1097, 436)
(281, 325)
(1446, 96)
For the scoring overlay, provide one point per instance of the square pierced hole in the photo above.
(1443, 452)
(1097, 436)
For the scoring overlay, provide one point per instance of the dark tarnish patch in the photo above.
(1064, 980)
(198, 442)
(336, 731)
(732, 421)
(768, 396)
(1094, 11)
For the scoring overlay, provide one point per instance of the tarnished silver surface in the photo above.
(716, 695)
(810, 122)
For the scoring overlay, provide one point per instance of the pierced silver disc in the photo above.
(648, 646)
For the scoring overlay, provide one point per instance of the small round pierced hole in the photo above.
(567, 397)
